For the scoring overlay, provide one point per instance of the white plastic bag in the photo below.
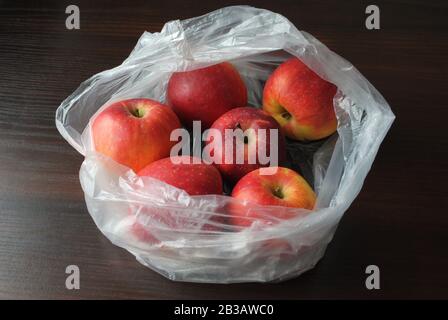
(255, 41)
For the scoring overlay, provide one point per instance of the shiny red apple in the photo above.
(135, 132)
(205, 94)
(182, 173)
(259, 140)
(285, 188)
(300, 101)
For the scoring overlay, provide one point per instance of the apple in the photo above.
(254, 143)
(182, 173)
(300, 101)
(285, 188)
(135, 132)
(205, 94)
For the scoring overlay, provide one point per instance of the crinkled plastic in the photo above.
(182, 246)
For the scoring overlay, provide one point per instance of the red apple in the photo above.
(205, 94)
(254, 144)
(135, 132)
(300, 101)
(194, 179)
(284, 188)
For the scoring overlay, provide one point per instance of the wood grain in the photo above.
(398, 222)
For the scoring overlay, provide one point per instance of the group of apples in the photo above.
(296, 101)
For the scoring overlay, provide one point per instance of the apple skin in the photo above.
(205, 94)
(135, 132)
(194, 179)
(245, 118)
(300, 101)
(284, 188)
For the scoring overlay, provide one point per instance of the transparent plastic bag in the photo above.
(255, 41)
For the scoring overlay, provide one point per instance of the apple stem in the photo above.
(286, 115)
(139, 113)
(245, 138)
(278, 192)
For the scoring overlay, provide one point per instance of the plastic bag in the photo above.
(255, 41)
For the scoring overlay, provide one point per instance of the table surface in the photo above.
(399, 221)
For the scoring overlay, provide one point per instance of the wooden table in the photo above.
(398, 222)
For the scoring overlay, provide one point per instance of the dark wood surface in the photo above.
(398, 222)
